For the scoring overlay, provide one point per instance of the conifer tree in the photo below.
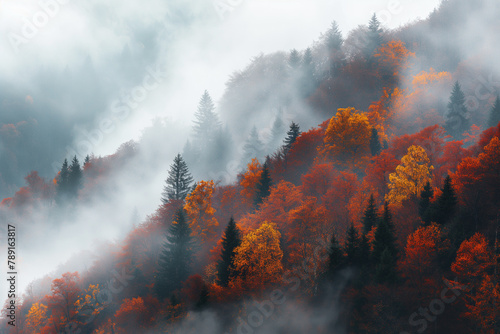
(176, 257)
(294, 59)
(206, 122)
(179, 182)
(375, 38)
(457, 115)
(375, 146)
(253, 148)
(62, 185)
(335, 258)
(291, 136)
(370, 217)
(278, 131)
(75, 177)
(424, 208)
(364, 250)
(230, 240)
(385, 238)
(446, 203)
(494, 117)
(385, 271)
(264, 185)
(307, 71)
(351, 247)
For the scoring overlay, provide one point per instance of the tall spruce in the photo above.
(446, 203)
(253, 148)
(294, 60)
(176, 257)
(424, 208)
(374, 37)
(375, 146)
(494, 117)
(370, 217)
(230, 240)
(457, 115)
(62, 184)
(291, 136)
(385, 237)
(206, 122)
(75, 177)
(351, 246)
(264, 184)
(179, 181)
(335, 258)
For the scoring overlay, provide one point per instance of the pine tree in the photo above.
(335, 258)
(351, 246)
(87, 160)
(179, 181)
(230, 240)
(424, 205)
(385, 271)
(253, 147)
(375, 146)
(207, 122)
(307, 71)
(494, 118)
(385, 237)
(457, 115)
(370, 217)
(176, 257)
(62, 186)
(264, 185)
(292, 135)
(203, 300)
(374, 37)
(75, 178)
(446, 203)
(334, 41)
(278, 131)
(364, 250)
(294, 59)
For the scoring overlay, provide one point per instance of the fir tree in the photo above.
(87, 160)
(351, 247)
(75, 178)
(457, 115)
(494, 118)
(370, 217)
(334, 41)
(385, 271)
(278, 131)
(307, 71)
(264, 185)
(335, 258)
(176, 257)
(374, 37)
(294, 59)
(253, 147)
(385, 237)
(207, 122)
(179, 181)
(230, 240)
(375, 146)
(424, 205)
(446, 203)
(62, 185)
(364, 250)
(203, 300)
(292, 135)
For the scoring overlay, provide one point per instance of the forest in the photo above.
(350, 187)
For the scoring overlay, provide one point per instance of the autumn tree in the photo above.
(230, 241)
(347, 138)
(410, 176)
(200, 211)
(494, 117)
(457, 115)
(132, 315)
(370, 217)
(258, 258)
(446, 203)
(64, 294)
(263, 186)
(179, 181)
(176, 257)
(37, 317)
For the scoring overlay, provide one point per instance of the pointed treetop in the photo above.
(494, 118)
(179, 181)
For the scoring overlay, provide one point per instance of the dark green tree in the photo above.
(230, 240)
(75, 178)
(424, 208)
(335, 258)
(374, 37)
(206, 122)
(176, 257)
(264, 185)
(385, 237)
(333, 41)
(291, 136)
(179, 181)
(351, 246)
(457, 115)
(62, 185)
(375, 146)
(385, 270)
(87, 160)
(203, 301)
(307, 80)
(370, 217)
(364, 250)
(446, 203)
(494, 117)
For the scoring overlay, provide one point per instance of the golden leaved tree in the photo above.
(200, 211)
(37, 316)
(410, 176)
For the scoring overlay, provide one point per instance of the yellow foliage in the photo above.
(200, 211)
(347, 138)
(37, 316)
(250, 180)
(424, 78)
(410, 176)
(394, 56)
(258, 258)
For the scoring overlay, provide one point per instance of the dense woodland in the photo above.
(382, 218)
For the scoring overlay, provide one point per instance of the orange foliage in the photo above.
(249, 181)
(132, 315)
(200, 211)
(393, 57)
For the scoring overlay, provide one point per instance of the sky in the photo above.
(184, 47)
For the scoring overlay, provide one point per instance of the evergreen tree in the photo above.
(230, 240)
(334, 41)
(385, 237)
(207, 122)
(75, 178)
(307, 70)
(203, 301)
(264, 185)
(424, 205)
(335, 258)
(62, 186)
(87, 160)
(370, 217)
(494, 118)
(385, 271)
(292, 135)
(219, 152)
(374, 37)
(176, 257)
(278, 131)
(351, 246)
(179, 181)
(294, 59)
(457, 115)
(446, 203)
(253, 147)
(375, 146)
(364, 250)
